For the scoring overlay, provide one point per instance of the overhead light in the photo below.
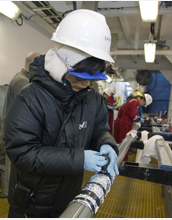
(149, 50)
(108, 79)
(10, 9)
(149, 10)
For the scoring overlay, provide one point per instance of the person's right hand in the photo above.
(93, 161)
(142, 120)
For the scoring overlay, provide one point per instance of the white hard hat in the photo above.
(107, 91)
(148, 99)
(113, 90)
(85, 30)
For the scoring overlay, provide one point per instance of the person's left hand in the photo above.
(110, 152)
(111, 107)
(115, 103)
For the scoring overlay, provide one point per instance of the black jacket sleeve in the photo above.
(101, 134)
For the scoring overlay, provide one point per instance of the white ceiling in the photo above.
(128, 32)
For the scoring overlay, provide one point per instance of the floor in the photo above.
(4, 206)
(131, 198)
(128, 198)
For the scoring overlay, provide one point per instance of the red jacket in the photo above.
(126, 116)
(111, 100)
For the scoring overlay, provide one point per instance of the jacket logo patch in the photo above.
(83, 125)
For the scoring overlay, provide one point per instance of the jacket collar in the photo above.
(63, 92)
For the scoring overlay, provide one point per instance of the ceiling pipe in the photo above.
(110, 12)
(139, 52)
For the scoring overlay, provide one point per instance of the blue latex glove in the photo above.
(93, 161)
(142, 120)
(108, 150)
(143, 116)
(110, 107)
(115, 103)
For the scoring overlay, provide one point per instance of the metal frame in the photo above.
(150, 173)
(5, 165)
(6, 169)
(159, 174)
(46, 13)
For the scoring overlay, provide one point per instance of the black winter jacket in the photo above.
(33, 124)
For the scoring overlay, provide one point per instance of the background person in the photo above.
(18, 82)
(57, 120)
(111, 107)
(139, 108)
(107, 97)
(128, 114)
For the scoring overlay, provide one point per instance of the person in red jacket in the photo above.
(128, 114)
(111, 107)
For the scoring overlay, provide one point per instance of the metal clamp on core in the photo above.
(104, 168)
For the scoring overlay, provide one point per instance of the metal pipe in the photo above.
(87, 203)
(76, 210)
(125, 145)
(139, 52)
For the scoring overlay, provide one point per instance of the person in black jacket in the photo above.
(58, 124)
(18, 81)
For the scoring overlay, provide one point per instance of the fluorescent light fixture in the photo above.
(9, 9)
(148, 10)
(108, 79)
(149, 50)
